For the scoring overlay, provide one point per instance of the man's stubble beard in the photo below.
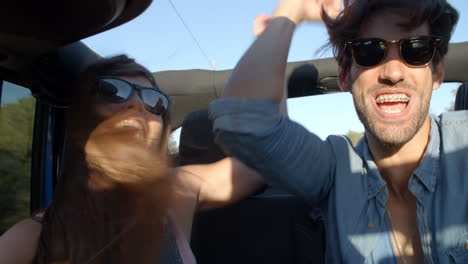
(390, 136)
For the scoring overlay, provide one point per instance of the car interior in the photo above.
(41, 51)
(461, 98)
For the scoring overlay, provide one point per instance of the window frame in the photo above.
(48, 150)
(40, 163)
(1, 89)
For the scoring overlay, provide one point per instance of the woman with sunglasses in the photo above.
(117, 200)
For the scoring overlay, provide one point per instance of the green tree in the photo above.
(16, 130)
(355, 136)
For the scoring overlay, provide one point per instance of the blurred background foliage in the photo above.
(16, 132)
(355, 136)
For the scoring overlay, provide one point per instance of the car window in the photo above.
(17, 108)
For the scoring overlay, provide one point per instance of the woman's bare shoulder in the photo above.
(19, 243)
(26, 226)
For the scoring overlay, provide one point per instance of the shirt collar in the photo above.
(428, 169)
(375, 183)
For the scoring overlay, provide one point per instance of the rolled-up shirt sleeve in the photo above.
(283, 151)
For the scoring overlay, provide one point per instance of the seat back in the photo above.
(461, 99)
(274, 229)
(197, 144)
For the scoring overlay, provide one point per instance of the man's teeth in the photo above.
(129, 123)
(388, 111)
(392, 98)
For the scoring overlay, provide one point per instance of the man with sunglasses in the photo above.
(400, 196)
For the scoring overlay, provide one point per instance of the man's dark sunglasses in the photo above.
(116, 90)
(415, 51)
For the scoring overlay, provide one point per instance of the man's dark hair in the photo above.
(439, 14)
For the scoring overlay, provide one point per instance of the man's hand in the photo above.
(260, 74)
(260, 23)
(307, 10)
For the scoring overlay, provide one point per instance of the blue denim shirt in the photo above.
(345, 183)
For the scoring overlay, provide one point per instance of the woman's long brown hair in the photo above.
(110, 201)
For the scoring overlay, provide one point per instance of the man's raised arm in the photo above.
(260, 74)
(248, 123)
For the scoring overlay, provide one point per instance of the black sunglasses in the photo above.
(116, 90)
(415, 51)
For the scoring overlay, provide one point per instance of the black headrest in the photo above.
(197, 144)
(461, 99)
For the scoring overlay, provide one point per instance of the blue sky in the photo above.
(223, 29)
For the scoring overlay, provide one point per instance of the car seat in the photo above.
(196, 144)
(271, 227)
(461, 99)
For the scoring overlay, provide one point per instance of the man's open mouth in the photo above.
(392, 103)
